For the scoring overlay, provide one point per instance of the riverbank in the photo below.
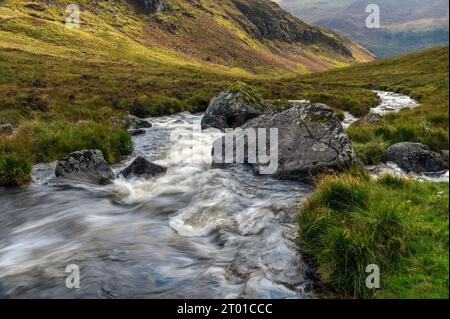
(401, 225)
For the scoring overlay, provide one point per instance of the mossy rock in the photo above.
(248, 95)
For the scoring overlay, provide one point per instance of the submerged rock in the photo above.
(143, 168)
(136, 132)
(415, 157)
(86, 166)
(233, 107)
(6, 129)
(311, 141)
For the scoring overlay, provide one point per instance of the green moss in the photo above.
(248, 94)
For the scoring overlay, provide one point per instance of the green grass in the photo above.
(14, 171)
(44, 141)
(352, 221)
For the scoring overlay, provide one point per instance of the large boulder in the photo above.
(233, 107)
(311, 141)
(85, 166)
(142, 168)
(415, 157)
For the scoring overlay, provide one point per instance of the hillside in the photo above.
(254, 36)
(406, 25)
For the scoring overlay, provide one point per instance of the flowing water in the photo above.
(194, 232)
(390, 102)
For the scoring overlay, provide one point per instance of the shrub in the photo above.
(197, 103)
(340, 114)
(14, 171)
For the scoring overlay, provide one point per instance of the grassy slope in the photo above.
(119, 58)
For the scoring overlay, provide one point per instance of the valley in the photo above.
(406, 25)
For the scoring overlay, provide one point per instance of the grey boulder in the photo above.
(415, 157)
(445, 156)
(311, 141)
(233, 107)
(137, 132)
(130, 122)
(85, 166)
(142, 168)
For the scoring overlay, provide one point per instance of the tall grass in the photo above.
(352, 221)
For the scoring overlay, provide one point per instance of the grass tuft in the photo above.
(14, 171)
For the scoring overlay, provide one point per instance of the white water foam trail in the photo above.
(390, 102)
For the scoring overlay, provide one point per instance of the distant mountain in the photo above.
(406, 25)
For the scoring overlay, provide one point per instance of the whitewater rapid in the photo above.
(194, 232)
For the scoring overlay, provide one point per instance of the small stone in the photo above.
(6, 129)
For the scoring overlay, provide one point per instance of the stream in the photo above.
(194, 232)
